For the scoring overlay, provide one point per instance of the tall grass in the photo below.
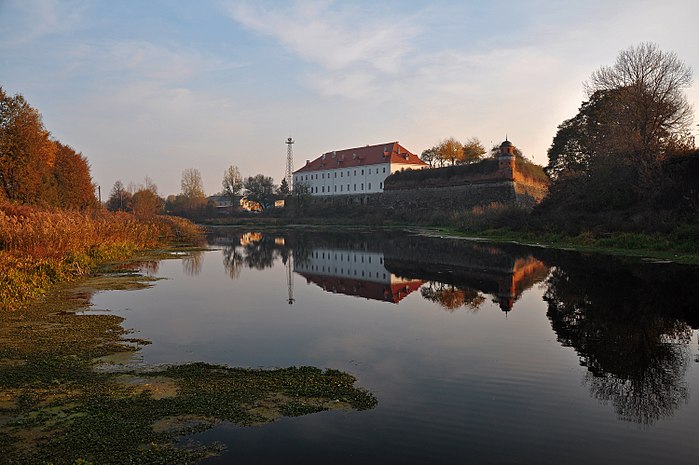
(39, 248)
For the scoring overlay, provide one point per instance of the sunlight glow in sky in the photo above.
(152, 88)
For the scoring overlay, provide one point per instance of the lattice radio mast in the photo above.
(289, 161)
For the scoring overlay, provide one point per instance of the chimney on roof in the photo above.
(308, 162)
(334, 154)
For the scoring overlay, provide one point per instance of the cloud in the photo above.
(33, 19)
(352, 49)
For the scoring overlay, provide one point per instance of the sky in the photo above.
(151, 88)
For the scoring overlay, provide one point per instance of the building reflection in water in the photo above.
(355, 272)
(630, 324)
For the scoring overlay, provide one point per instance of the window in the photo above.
(323, 175)
(341, 187)
(347, 187)
(335, 174)
(380, 185)
(362, 186)
(340, 173)
(384, 169)
(335, 188)
(323, 188)
(355, 172)
(369, 186)
(355, 187)
(362, 171)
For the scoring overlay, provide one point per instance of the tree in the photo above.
(119, 198)
(431, 156)
(593, 133)
(261, 189)
(146, 204)
(283, 188)
(473, 150)
(451, 150)
(192, 185)
(301, 194)
(653, 113)
(73, 182)
(27, 155)
(232, 182)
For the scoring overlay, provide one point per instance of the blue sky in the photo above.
(150, 88)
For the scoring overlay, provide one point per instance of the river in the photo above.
(476, 352)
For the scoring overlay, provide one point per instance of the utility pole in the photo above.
(289, 162)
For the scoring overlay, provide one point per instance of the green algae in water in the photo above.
(56, 407)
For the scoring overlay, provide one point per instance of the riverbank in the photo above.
(70, 389)
(42, 248)
(681, 245)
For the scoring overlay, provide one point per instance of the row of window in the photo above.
(314, 190)
(322, 255)
(322, 175)
(349, 272)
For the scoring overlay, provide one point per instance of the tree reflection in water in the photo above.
(253, 250)
(450, 297)
(193, 262)
(635, 353)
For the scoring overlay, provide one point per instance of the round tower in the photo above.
(506, 159)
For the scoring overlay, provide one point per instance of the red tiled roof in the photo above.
(361, 156)
(393, 292)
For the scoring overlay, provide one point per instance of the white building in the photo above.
(361, 170)
(354, 272)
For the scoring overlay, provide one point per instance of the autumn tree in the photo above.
(232, 182)
(27, 155)
(473, 150)
(119, 198)
(146, 203)
(261, 189)
(72, 180)
(450, 150)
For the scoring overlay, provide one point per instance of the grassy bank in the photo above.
(40, 248)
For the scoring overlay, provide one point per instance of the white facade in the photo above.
(368, 179)
(349, 264)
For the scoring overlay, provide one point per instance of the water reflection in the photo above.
(627, 333)
(193, 262)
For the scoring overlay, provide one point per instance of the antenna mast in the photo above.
(289, 161)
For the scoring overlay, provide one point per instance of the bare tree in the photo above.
(654, 112)
(192, 185)
(232, 182)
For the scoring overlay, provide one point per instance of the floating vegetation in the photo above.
(61, 403)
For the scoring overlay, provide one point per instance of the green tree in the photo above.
(261, 189)
(473, 150)
(232, 182)
(284, 188)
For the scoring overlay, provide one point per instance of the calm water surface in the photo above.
(477, 353)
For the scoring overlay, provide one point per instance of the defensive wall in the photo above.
(452, 188)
